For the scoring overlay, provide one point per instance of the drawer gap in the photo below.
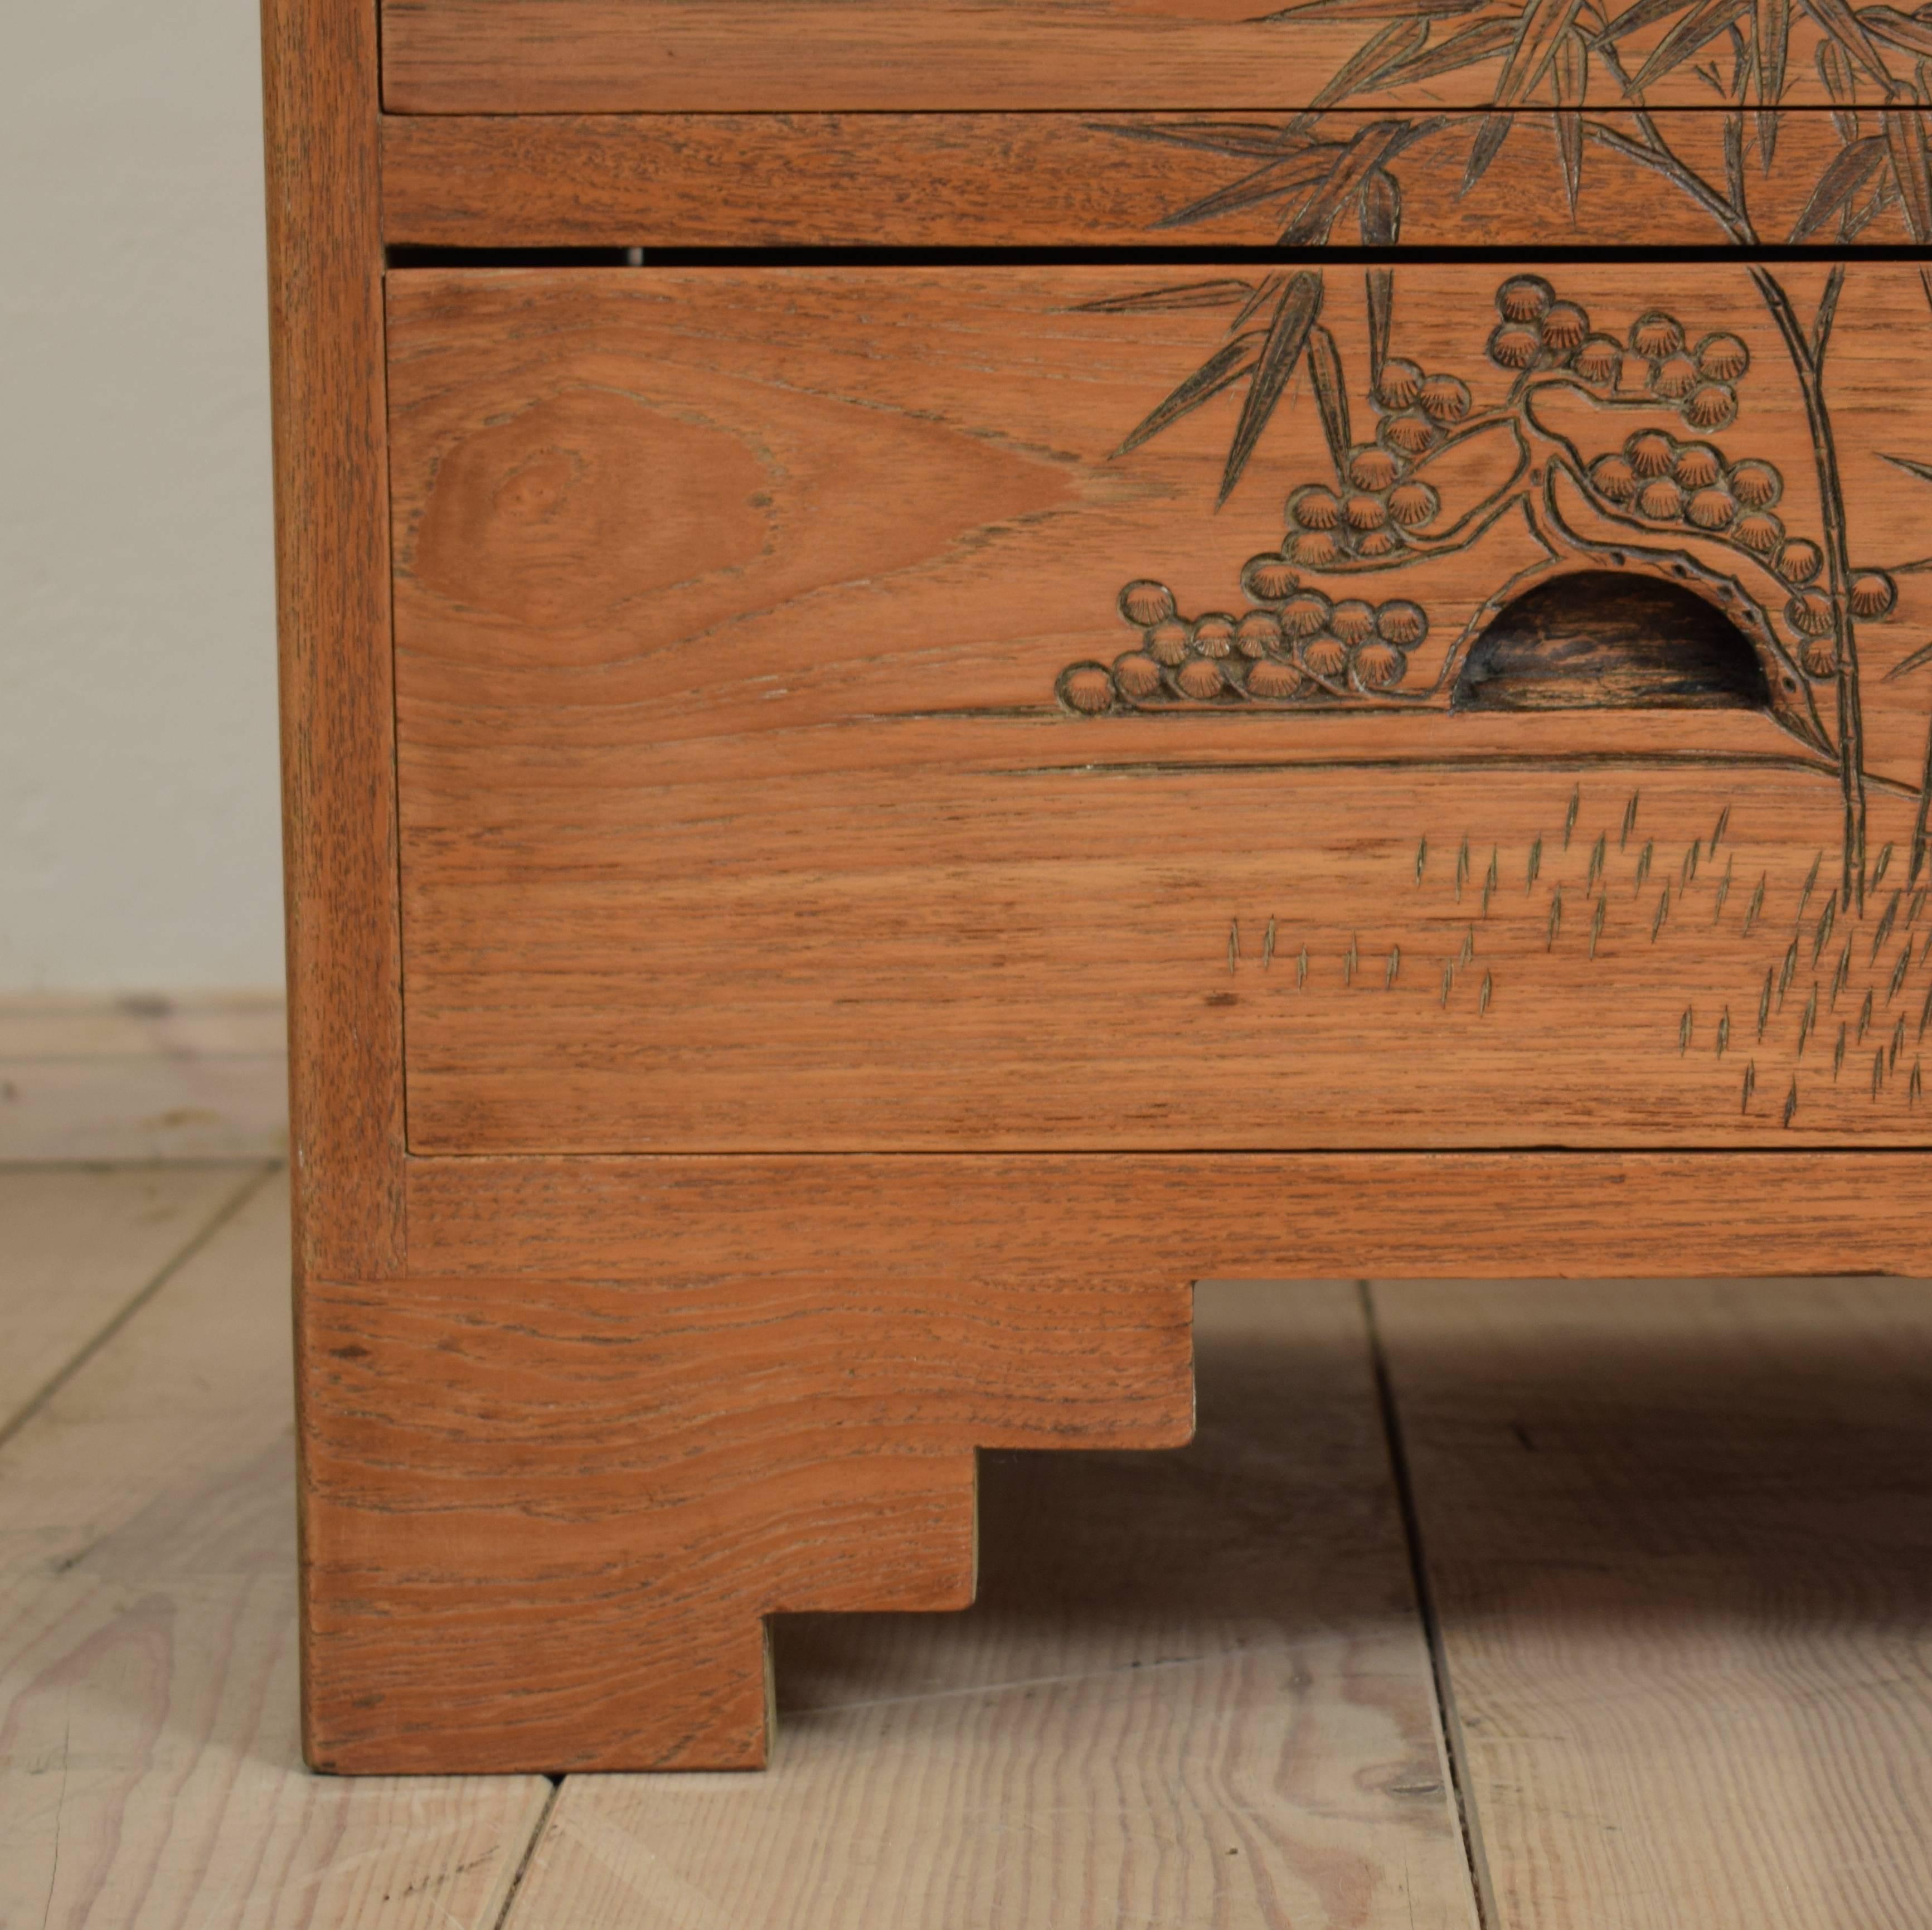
(415, 255)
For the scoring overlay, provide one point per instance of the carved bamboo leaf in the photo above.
(1379, 210)
(1770, 47)
(1917, 658)
(1381, 314)
(1734, 159)
(1470, 47)
(1294, 315)
(1236, 137)
(1883, 197)
(1543, 25)
(1851, 168)
(1331, 396)
(1380, 141)
(1920, 470)
(1569, 72)
(1227, 364)
(1226, 294)
(1400, 40)
(1700, 25)
(1373, 9)
(1290, 175)
(1635, 18)
(1266, 289)
(1911, 166)
(1897, 29)
(1835, 71)
(1490, 137)
(1839, 21)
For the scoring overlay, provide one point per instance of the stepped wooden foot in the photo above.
(545, 1518)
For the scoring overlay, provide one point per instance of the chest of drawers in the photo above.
(945, 666)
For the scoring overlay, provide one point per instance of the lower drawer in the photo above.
(1133, 708)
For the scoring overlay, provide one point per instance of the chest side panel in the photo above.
(1088, 707)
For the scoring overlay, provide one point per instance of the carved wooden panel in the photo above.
(590, 56)
(1076, 180)
(1079, 707)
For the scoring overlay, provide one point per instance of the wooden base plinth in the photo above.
(619, 1411)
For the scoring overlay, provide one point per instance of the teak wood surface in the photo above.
(747, 804)
(595, 56)
(1053, 180)
(910, 812)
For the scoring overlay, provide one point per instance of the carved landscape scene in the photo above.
(1434, 705)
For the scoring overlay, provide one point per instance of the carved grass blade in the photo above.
(1835, 71)
(1294, 315)
(1850, 169)
(1702, 24)
(1734, 159)
(1839, 21)
(1288, 175)
(1192, 294)
(1911, 166)
(1228, 364)
(1331, 396)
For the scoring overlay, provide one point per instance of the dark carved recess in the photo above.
(1595, 639)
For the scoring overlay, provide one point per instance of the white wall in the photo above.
(138, 838)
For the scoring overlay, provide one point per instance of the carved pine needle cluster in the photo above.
(1303, 644)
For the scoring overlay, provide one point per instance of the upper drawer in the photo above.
(617, 56)
(1247, 708)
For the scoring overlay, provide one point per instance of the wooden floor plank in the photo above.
(1194, 1691)
(141, 1078)
(1679, 1536)
(148, 1767)
(81, 1243)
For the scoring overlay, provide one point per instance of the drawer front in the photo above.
(1102, 708)
(618, 56)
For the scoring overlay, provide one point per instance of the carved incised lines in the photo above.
(1590, 67)
(1616, 441)
(1681, 506)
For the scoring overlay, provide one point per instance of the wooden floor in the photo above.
(1562, 1606)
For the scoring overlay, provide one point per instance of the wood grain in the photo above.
(1142, 1223)
(149, 1770)
(332, 566)
(1063, 180)
(1677, 1537)
(739, 812)
(604, 56)
(775, 1408)
(1194, 1689)
(82, 1243)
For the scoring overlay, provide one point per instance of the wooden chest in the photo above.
(947, 666)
